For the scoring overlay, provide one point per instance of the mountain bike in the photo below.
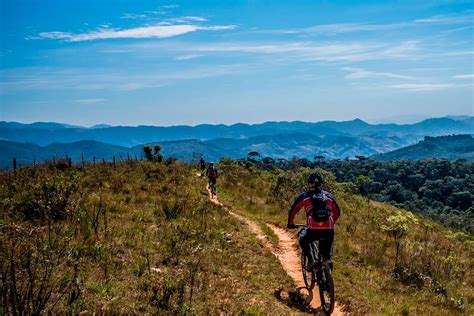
(321, 274)
(212, 188)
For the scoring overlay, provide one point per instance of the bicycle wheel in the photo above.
(326, 289)
(308, 276)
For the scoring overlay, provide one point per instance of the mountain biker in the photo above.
(322, 213)
(202, 165)
(212, 174)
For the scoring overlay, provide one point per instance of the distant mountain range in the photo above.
(48, 133)
(449, 147)
(40, 141)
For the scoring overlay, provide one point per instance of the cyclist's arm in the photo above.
(297, 205)
(336, 210)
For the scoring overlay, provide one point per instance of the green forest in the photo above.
(439, 189)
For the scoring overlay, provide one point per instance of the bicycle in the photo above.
(212, 188)
(321, 274)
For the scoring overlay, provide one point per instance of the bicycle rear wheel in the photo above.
(308, 276)
(326, 289)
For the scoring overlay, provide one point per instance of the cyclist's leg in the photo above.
(214, 182)
(326, 242)
(306, 237)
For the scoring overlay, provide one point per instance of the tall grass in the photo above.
(432, 272)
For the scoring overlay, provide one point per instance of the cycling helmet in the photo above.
(316, 179)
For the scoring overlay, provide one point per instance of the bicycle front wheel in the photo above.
(308, 276)
(326, 289)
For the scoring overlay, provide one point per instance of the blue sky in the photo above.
(189, 62)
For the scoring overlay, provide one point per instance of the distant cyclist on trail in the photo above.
(202, 165)
(322, 213)
(212, 174)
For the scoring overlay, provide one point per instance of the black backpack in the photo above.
(319, 212)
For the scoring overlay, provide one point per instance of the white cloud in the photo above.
(337, 28)
(133, 16)
(424, 86)
(359, 73)
(157, 31)
(170, 6)
(55, 35)
(39, 79)
(89, 101)
(468, 76)
(188, 57)
(186, 19)
(447, 19)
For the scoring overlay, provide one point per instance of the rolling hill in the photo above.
(449, 147)
(129, 136)
(278, 146)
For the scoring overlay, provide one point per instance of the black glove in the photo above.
(291, 226)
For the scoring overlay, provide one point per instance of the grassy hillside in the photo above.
(449, 147)
(433, 275)
(141, 238)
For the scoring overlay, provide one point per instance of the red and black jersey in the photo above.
(211, 172)
(304, 201)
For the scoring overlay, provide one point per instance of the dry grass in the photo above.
(139, 238)
(435, 271)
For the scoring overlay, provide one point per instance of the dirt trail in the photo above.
(287, 254)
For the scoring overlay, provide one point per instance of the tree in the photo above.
(154, 155)
(253, 156)
(363, 183)
(397, 226)
(147, 152)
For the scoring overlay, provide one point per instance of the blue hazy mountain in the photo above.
(277, 146)
(48, 133)
(450, 147)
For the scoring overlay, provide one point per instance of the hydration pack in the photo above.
(319, 212)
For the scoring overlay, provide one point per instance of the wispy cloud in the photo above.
(187, 57)
(338, 28)
(426, 86)
(157, 31)
(468, 76)
(39, 79)
(359, 73)
(186, 19)
(447, 19)
(89, 101)
(170, 6)
(292, 52)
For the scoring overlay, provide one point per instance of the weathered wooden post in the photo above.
(94, 160)
(114, 161)
(14, 164)
(82, 160)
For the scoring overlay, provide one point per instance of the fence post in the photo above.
(14, 164)
(114, 161)
(82, 160)
(69, 162)
(94, 160)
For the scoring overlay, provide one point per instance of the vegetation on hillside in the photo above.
(387, 260)
(449, 147)
(142, 237)
(439, 189)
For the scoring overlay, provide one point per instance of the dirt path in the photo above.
(287, 254)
